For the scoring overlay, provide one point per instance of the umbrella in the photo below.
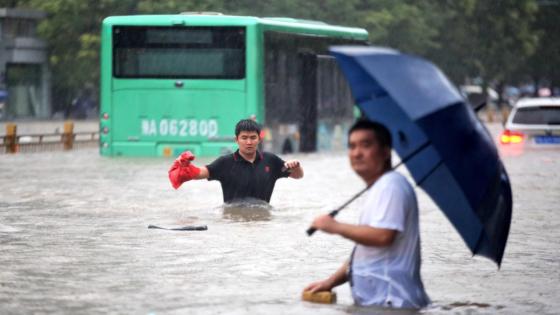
(446, 149)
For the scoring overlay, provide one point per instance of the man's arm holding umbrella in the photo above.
(361, 234)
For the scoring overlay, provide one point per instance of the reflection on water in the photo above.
(7, 229)
(73, 239)
(374, 310)
(247, 210)
(465, 305)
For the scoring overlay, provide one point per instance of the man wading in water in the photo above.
(246, 173)
(384, 268)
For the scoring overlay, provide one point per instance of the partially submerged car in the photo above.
(534, 122)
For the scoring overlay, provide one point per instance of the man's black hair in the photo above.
(247, 125)
(382, 134)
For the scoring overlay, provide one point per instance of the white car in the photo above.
(534, 122)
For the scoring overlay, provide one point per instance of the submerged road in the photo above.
(74, 239)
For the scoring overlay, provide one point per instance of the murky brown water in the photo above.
(74, 239)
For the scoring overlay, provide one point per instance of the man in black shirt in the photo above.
(246, 173)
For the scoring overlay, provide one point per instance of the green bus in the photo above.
(179, 82)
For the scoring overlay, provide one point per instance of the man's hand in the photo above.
(337, 278)
(323, 285)
(291, 165)
(183, 170)
(294, 168)
(325, 223)
(185, 158)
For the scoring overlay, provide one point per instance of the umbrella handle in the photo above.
(312, 230)
(333, 213)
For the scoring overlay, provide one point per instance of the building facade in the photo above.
(24, 72)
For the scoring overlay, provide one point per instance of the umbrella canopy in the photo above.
(447, 150)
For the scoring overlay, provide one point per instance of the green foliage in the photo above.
(545, 62)
(486, 39)
(496, 40)
(177, 6)
(72, 31)
(410, 27)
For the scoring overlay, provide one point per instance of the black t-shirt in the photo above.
(242, 179)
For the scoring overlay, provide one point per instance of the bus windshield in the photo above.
(179, 52)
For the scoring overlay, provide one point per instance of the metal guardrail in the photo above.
(12, 143)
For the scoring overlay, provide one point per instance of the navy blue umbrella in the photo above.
(447, 150)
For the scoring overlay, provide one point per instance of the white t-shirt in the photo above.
(390, 276)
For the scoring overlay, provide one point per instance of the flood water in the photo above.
(74, 239)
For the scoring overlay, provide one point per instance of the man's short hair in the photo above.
(382, 134)
(247, 125)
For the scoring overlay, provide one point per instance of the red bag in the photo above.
(182, 170)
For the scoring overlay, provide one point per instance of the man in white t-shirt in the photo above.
(384, 268)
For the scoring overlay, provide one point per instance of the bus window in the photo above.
(305, 91)
(179, 52)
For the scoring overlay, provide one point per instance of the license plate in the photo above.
(547, 139)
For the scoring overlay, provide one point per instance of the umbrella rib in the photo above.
(420, 148)
(429, 173)
(411, 155)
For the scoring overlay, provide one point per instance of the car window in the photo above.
(539, 115)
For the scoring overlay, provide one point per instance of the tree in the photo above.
(486, 39)
(409, 26)
(544, 64)
(492, 40)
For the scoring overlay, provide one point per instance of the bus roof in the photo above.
(214, 19)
